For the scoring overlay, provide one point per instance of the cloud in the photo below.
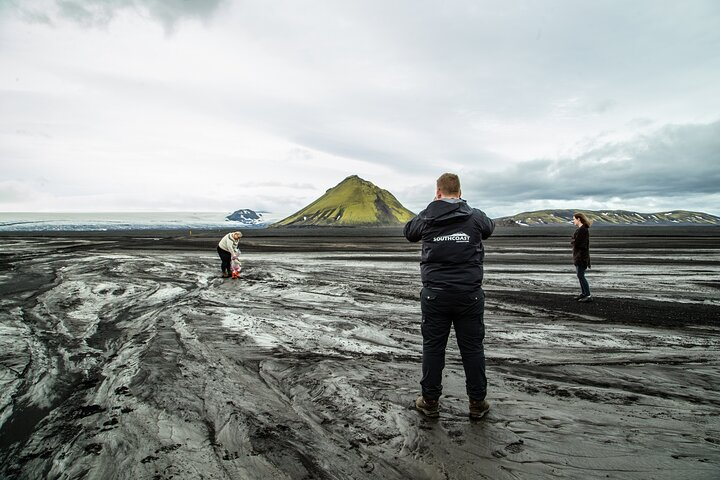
(517, 97)
(14, 195)
(96, 13)
(673, 161)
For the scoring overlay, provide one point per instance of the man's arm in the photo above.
(484, 223)
(413, 229)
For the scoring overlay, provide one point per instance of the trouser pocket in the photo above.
(428, 303)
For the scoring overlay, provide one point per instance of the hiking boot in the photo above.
(429, 407)
(587, 299)
(478, 408)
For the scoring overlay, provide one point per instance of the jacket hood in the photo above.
(440, 212)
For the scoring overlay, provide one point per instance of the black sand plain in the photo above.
(125, 355)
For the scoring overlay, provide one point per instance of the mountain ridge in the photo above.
(609, 217)
(352, 202)
(246, 217)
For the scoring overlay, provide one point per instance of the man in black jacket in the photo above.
(452, 271)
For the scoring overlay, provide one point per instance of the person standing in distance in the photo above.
(581, 254)
(451, 268)
(227, 249)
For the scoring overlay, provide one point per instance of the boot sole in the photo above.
(478, 416)
(429, 413)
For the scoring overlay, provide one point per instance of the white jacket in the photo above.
(229, 244)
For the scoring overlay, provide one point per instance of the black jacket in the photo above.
(452, 250)
(581, 246)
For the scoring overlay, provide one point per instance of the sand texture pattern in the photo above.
(130, 358)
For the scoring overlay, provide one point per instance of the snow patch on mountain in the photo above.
(246, 217)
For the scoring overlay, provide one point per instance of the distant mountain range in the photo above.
(609, 217)
(352, 202)
(358, 202)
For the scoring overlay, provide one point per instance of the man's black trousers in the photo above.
(464, 311)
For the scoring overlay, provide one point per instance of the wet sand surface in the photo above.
(127, 356)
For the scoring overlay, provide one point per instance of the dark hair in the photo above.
(449, 184)
(583, 219)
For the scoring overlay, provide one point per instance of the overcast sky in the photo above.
(217, 105)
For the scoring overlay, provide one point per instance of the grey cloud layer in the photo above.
(676, 160)
(404, 89)
(101, 12)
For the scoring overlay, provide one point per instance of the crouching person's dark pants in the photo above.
(225, 259)
(464, 311)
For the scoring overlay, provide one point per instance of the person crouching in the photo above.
(227, 249)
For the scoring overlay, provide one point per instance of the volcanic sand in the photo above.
(127, 356)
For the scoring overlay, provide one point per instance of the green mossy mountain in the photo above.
(352, 202)
(610, 217)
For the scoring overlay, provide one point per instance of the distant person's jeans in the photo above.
(464, 311)
(584, 286)
(225, 260)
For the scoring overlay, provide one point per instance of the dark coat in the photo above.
(581, 246)
(452, 249)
